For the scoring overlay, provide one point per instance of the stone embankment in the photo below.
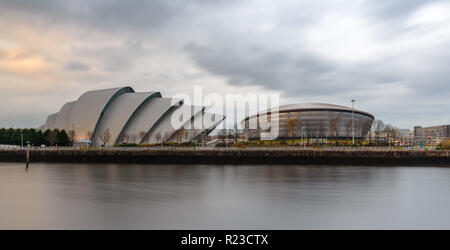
(297, 156)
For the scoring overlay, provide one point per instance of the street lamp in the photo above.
(353, 121)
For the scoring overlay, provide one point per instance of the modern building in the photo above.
(120, 115)
(311, 120)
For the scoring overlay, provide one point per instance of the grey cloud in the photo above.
(106, 16)
(76, 66)
(271, 68)
(224, 39)
(396, 9)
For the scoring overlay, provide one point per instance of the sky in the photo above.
(393, 56)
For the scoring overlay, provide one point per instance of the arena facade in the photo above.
(310, 120)
(126, 116)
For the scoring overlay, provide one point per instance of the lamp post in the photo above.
(353, 121)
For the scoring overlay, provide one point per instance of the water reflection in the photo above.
(84, 196)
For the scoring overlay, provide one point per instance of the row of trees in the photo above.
(35, 137)
(381, 132)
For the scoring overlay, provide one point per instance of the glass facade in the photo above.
(311, 124)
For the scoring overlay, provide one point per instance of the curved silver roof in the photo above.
(165, 127)
(120, 111)
(90, 107)
(123, 112)
(313, 107)
(148, 115)
(50, 122)
(209, 123)
(63, 116)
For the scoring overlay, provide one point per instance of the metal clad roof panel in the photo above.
(63, 116)
(89, 108)
(119, 112)
(147, 116)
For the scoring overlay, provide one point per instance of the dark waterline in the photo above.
(113, 196)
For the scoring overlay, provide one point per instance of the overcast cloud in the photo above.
(393, 57)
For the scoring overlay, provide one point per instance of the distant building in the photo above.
(404, 132)
(437, 132)
(431, 135)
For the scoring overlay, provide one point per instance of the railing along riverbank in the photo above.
(379, 156)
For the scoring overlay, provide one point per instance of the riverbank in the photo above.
(297, 156)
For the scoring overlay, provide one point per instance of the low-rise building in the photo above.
(432, 135)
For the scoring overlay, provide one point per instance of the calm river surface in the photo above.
(90, 196)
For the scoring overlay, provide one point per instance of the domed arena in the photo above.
(311, 120)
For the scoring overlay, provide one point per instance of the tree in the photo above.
(291, 127)
(348, 128)
(378, 128)
(166, 136)
(133, 138)
(177, 136)
(89, 135)
(236, 134)
(223, 134)
(392, 133)
(52, 137)
(333, 125)
(105, 137)
(158, 137)
(125, 138)
(182, 134)
(72, 136)
(319, 130)
(142, 136)
(63, 138)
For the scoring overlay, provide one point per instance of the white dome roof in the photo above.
(312, 107)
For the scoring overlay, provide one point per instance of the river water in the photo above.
(121, 196)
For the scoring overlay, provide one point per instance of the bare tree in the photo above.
(392, 133)
(142, 136)
(378, 128)
(72, 136)
(319, 130)
(188, 133)
(133, 138)
(176, 136)
(348, 128)
(179, 135)
(125, 138)
(333, 125)
(105, 137)
(166, 136)
(183, 135)
(89, 135)
(223, 134)
(309, 130)
(158, 137)
(236, 133)
(291, 127)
